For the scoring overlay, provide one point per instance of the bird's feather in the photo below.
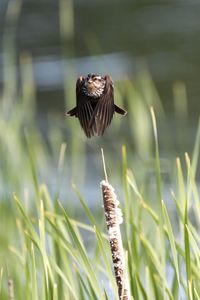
(104, 109)
(84, 107)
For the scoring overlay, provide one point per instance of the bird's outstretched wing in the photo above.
(104, 110)
(120, 110)
(72, 112)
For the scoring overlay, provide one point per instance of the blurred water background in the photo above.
(151, 50)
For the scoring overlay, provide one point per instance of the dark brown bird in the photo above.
(95, 104)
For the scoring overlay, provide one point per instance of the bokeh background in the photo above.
(151, 50)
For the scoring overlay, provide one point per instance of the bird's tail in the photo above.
(72, 112)
(120, 110)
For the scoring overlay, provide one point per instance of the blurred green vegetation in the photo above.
(51, 252)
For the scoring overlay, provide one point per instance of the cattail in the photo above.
(113, 216)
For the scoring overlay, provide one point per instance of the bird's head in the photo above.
(94, 85)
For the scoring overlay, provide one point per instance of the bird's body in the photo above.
(95, 104)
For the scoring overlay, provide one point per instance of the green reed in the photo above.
(48, 256)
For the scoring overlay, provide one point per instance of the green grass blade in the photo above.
(195, 156)
(187, 252)
(1, 279)
(159, 199)
(34, 289)
(85, 207)
(85, 261)
(171, 240)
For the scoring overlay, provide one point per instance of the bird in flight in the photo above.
(95, 105)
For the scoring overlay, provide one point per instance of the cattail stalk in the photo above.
(113, 216)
